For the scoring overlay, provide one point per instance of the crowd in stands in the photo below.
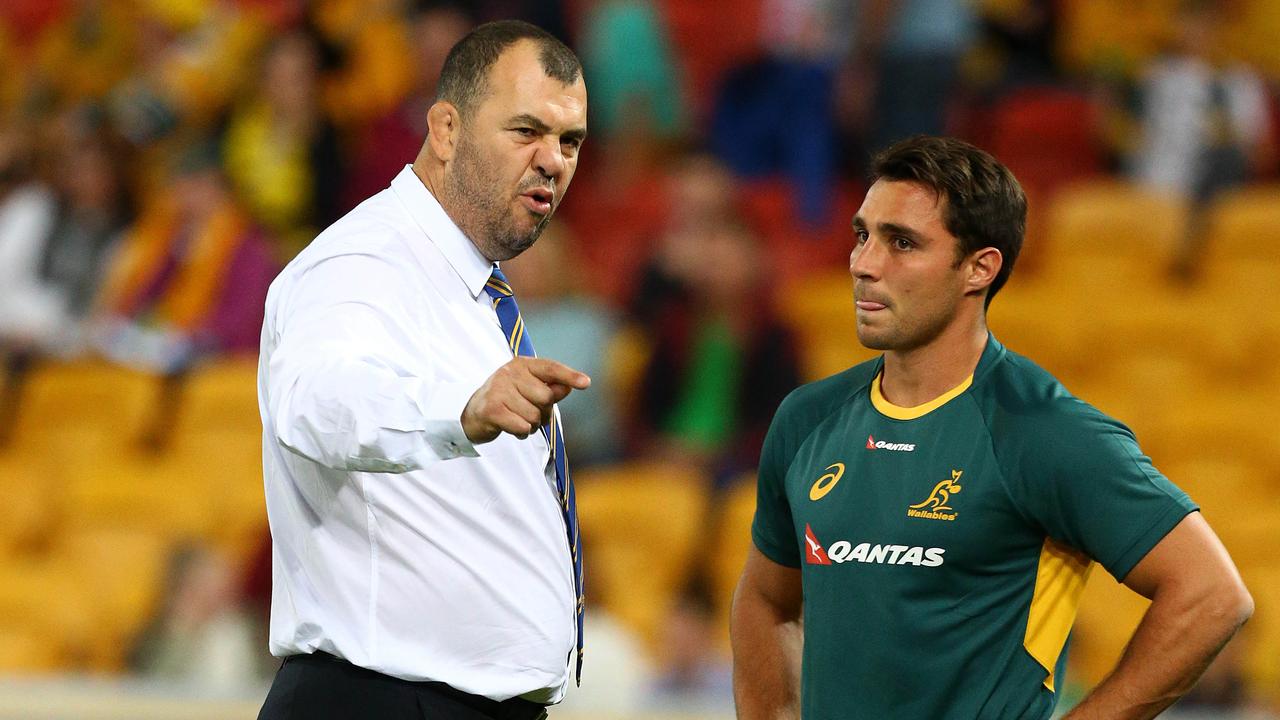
(161, 161)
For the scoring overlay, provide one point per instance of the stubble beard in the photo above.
(484, 217)
(903, 336)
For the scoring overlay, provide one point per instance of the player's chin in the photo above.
(874, 338)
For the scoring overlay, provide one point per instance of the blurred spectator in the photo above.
(571, 327)
(912, 51)
(96, 34)
(364, 46)
(48, 292)
(185, 62)
(694, 675)
(703, 195)
(200, 637)
(776, 114)
(191, 276)
(1204, 123)
(392, 141)
(635, 88)
(1020, 40)
(28, 211)
(550, 15)
(721, 360)
(281, 153)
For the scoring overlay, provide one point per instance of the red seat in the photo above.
(1047, 137)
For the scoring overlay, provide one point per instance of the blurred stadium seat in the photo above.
(733, 543)
(1111, 242)
(1242, 252)
(819, 308)
(646, 527)
(70, 399)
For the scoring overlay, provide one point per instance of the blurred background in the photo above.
(160, 160)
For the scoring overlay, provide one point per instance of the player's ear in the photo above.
(444, 123)
(982, 268)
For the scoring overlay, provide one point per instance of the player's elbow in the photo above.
(1228, 607)
(1239, 605)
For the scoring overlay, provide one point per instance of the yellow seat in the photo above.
(24, 650)
(222, 396)
(125, 569)
(1110, 241)
(1237, 497)
(84, 398)
(225, 470)
(732, 545)
(1044, 327)
(1262, 633)
(643, 527)
(31, 495)
(1222, 422)
(39, 598)
(819, 309)
(1241, 257)
(135, 490)
(626, 356)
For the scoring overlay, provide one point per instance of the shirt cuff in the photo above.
(442, 413)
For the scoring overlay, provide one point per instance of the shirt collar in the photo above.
(435, 223)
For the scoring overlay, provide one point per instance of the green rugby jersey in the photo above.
(943, 548)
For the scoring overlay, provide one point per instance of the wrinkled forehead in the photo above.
(518, 85)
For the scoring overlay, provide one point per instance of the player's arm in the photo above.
(766, 633)
(1198, 601)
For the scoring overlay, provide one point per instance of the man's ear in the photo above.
(983, 266)
(444, 123)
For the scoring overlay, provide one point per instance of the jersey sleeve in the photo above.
(773, 530)
(1083, 479)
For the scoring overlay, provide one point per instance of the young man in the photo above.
(934, 513)
(425, 547)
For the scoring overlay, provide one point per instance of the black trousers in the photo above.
(323, 687)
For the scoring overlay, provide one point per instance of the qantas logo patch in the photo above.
(843, 551)
(814, 554)
(873, 444)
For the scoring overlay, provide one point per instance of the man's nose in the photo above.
(549, 160)
(865, 260)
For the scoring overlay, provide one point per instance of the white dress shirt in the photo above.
(398, 544)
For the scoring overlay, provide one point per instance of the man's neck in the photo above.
(432, 176)
(914, 377)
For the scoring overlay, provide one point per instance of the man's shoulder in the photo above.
(1020, 398)
(376, 230)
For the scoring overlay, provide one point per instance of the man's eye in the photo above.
(902, 243)
(860, 236)
(526, 132)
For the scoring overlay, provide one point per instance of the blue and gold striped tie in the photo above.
(504, 302)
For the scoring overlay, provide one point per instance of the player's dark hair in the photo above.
(464, 80)
(985, 207)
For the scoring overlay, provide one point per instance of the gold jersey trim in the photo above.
(896, 412)
(1060, 579)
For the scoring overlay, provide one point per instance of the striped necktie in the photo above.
(504, 302)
